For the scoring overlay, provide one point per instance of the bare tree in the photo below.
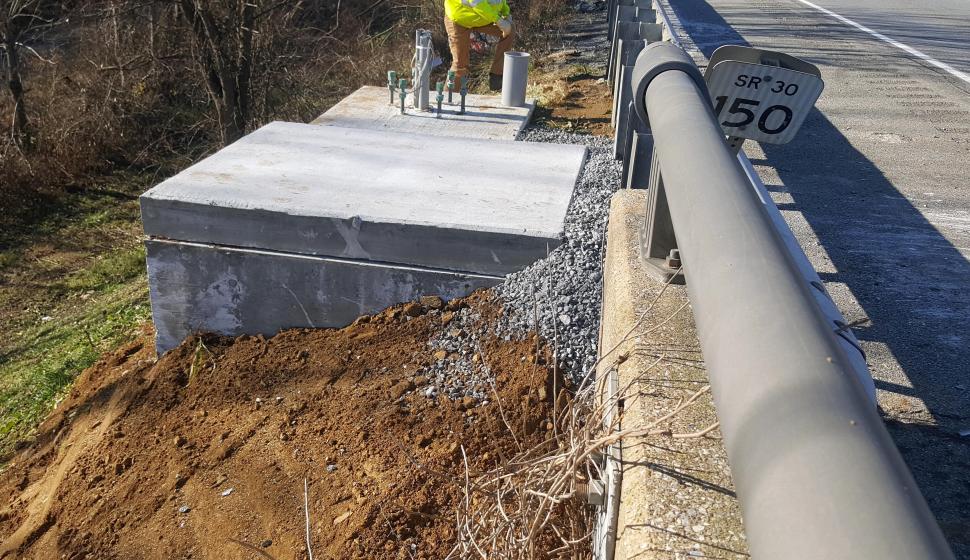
(238, 42)
(223, 32)
(19, 20)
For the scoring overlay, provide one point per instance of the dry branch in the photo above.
(533, 505)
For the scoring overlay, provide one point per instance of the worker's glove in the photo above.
(505, 24)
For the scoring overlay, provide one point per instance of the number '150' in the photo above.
(744, 109)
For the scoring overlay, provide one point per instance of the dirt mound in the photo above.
(204, 453)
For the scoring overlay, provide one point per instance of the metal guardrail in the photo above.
(816, 472)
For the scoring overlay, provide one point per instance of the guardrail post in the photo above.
(615, 12)
(610, 18)
(634, 30)
(635, 167)
(622, 106)
(632, 23)
(658, 242)
(626, 55)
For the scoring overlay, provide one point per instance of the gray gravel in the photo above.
(565, 289)
(458, 369)
(558, 296)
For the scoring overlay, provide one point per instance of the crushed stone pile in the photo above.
(560, 296)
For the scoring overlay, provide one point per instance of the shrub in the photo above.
(127, 83)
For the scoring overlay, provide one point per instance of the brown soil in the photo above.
(579, 102)
(203, 453)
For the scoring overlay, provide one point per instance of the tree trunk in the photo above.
(225, 56)
(232, 121)
(20, 128)
(245, 63)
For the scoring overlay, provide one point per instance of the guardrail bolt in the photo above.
(673, 259)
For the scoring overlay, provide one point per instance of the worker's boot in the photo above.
(495, 82)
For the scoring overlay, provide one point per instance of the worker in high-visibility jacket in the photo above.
(491, 17)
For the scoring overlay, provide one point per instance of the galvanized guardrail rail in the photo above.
(816, 472)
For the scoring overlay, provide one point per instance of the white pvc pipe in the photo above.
(515, 77)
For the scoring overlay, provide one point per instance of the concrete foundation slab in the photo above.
(231, 291)
(369, 107)
(466, 205)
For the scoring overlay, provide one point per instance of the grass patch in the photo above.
(88, 305)
(95, 219)
(39, 369)
(111, 201)
(114, 268)
(8, 258)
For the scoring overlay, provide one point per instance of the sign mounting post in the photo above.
(761, 95)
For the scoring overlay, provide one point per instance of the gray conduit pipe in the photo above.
(423, 54)
(817, 475)
(515, 78)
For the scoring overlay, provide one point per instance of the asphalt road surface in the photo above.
(876, 186)
(940, 29)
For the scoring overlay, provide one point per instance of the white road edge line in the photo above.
(901, 46)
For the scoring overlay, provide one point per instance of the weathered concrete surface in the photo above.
(196, 287)
(485, 118)
(466, 205)
(677, 498)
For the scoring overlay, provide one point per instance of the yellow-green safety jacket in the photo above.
(476, 13)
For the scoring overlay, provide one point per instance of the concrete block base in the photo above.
(470, 205)
(299, 225)
(230, 291)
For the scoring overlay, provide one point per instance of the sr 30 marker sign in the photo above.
(762, 103)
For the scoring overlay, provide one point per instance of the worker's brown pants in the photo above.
(459, 40)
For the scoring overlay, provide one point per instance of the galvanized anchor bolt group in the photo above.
(451, 85)
(399, 87)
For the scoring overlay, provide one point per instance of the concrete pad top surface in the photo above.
(459, 204)
(369, 107)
